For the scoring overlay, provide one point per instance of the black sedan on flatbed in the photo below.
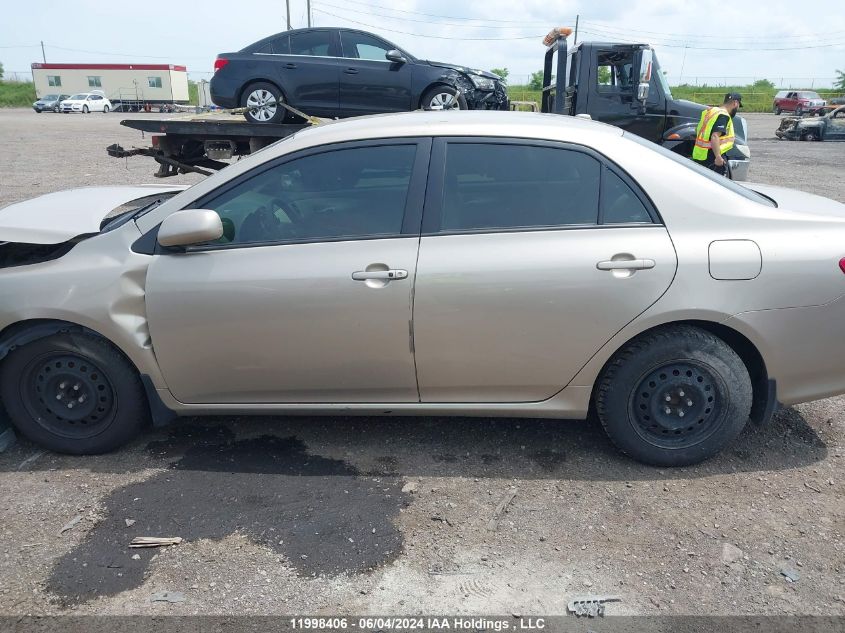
(333, 72)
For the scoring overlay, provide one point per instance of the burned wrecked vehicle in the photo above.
(830, 127)
(333, 72)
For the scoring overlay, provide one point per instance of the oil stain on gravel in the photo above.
(321, 514)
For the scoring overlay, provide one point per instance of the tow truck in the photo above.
(623, 85)
(619, 84)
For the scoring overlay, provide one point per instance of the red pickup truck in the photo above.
(799, 102)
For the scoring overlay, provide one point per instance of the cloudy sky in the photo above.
(787, 42)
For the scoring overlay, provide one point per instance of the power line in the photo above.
(448, 17)
(435, 37)
(681, 44)
(624, 30)
(404, 19)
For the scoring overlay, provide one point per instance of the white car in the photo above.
(86, 102)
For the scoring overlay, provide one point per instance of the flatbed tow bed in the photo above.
(200, 144)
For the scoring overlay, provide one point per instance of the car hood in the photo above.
(799, 201)
(463, 69)
(57, 217)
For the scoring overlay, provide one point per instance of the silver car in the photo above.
(460, 263)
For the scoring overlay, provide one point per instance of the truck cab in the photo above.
(623, 85)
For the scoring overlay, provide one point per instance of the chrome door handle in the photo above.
(384, 275)
(351, 71)
(626, 264)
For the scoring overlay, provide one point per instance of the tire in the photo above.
(105, 109)
(56, 109)
(778, 110)
(41, 380)
(686, 365)
(443, 98)
(265, 97)
(810, 136)
(85, 109)
(799, 111)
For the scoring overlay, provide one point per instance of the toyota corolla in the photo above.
(460, 263)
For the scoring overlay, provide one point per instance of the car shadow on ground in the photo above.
(429, 447)
(325, 492)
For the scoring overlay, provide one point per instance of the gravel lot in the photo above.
(391, 516)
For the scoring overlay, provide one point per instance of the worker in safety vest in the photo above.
(714, 135)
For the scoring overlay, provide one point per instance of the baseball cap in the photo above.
(734, 96)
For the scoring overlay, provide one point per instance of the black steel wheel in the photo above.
(68, 395)
(677, 405)
(73, 392)
(674, 396)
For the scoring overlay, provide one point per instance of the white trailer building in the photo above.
(128, 84)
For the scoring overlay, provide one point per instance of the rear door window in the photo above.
(490, 186)
(313, 43)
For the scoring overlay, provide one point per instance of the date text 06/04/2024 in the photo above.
(417, 623)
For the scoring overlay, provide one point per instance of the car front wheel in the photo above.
(674, 397)
(72, 392)
(84, 109)
(444, 98)
(261, 101)
(778, 110)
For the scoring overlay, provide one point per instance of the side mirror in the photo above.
(646, 65)
(189, 227)
(395, 56)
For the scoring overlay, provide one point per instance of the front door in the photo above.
(528, 264)
(307, 296)
(613, 95)
(835, 126)
(369, 83)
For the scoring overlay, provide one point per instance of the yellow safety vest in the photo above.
(704, 130)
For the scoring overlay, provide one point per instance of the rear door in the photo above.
(526, 267)
(369, 83)
(308, 66)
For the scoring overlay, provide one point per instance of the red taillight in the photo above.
(842, 264)
(220, 63)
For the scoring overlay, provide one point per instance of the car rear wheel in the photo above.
(73, 392)
(262, 102)
(105, 109)
(444, 98)
(674, 397)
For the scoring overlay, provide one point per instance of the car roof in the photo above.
(454, 123)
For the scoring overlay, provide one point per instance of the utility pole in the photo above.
(43, 54)
(287, 3)
(308, 4)
(577, 17)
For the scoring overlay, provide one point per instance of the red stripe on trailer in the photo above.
(39, 65)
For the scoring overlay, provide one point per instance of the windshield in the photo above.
(78, 97)
(49, 97)
(707, 173)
